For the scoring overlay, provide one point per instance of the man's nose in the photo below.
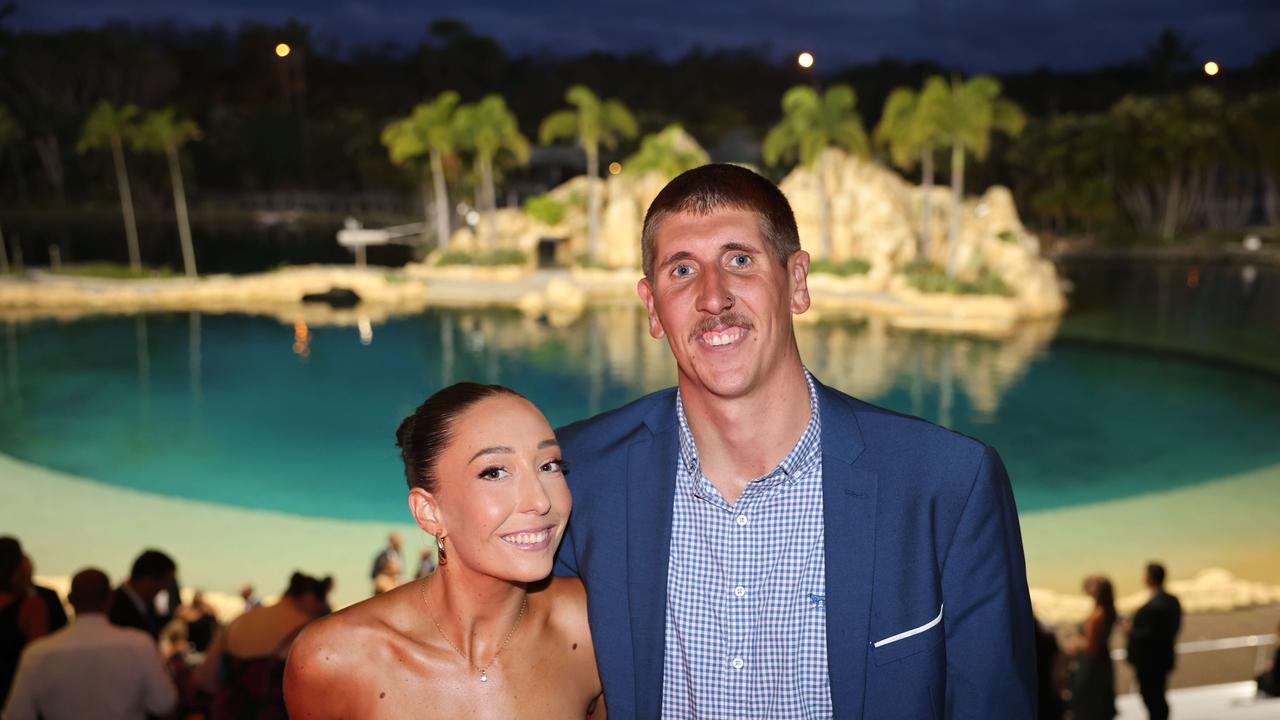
(713, 293)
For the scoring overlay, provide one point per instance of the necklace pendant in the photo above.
(484, 676)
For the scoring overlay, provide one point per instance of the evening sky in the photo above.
(974, 35)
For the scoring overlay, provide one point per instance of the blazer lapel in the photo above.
(651, 479)
(849, 509)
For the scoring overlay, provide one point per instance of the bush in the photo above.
(113, 271)
(933, 279)
(844, 268)
(489, 258)
(544, 209)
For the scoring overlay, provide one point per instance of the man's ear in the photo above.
(798, 277)
(426, 512)
(645, 289)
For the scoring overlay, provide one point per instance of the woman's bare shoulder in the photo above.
(336, 656)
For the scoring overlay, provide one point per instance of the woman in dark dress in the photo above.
(1093, 688)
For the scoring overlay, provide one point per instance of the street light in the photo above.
(1211, 68)
(283, 50)
(805, 60)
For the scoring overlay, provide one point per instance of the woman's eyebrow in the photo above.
(548, 443)
(496, 450)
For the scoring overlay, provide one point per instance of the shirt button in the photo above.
(739, 591)
(742, 520)
(738, 663)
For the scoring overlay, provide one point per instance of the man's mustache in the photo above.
(728, 318)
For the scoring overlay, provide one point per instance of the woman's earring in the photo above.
(440, 553)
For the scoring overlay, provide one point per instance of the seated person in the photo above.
(486, 635)
(244, 666)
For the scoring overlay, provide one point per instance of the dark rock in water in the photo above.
(334, 297)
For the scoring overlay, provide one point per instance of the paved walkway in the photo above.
(1233, 701)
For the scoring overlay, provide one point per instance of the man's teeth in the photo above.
(716, 339)
(527, 538)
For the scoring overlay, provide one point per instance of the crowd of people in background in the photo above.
(138, 651)
(1079, 677)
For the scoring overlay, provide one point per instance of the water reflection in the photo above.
(864, 356)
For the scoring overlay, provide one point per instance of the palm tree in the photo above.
(670, 152)
(10, 134)
(967, 112)
(486, 128)
(810, 124)
(163, 131)
(594, 122)
(909, 130)
(109, 126)
(427, 131)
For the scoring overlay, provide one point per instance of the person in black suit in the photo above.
(1151, 640)
(133, 603)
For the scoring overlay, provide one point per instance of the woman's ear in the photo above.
(426, 512)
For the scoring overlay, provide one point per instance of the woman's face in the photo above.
(501, 497)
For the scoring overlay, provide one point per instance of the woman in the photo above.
(486, 635)
(23, 614)
(1093, 691)
(244, 667)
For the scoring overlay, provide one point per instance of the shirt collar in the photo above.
(807, 450)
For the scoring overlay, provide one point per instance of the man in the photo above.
(1151, 640)
(755, 544)
(134, 603)
(91, 669)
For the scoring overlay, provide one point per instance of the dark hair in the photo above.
(10, 560)
(152, 565)
(1105, 596)
(302, 584)
(423, 435)
(1155, 573)
(720, 186)
(90, 590)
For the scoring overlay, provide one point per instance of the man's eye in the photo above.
(682, 271)
(740, 260)
(493, 473)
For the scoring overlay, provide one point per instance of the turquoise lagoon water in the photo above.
(228, 409)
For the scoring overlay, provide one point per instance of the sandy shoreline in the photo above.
(560, 295)
(66, 523)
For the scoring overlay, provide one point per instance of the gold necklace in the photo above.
(484, 671)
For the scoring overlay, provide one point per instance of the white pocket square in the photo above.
(913, 631)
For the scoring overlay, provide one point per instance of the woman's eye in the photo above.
(559, 466)
(740, 261)
(493, 473)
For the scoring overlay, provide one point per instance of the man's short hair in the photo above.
(90, 591)
(721, 186)
(152, 565)
(1155, 573)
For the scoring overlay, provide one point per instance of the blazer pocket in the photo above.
(909, 642)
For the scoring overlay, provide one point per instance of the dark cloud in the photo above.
(973, 34)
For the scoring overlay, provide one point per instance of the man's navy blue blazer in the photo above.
(928, 614)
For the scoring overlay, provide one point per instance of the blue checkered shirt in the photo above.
(746, 611)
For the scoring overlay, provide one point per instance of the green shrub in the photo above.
(844, 268)
(113, 270)
(454, 257)
(1007, 236)
(502, 256)
(545, 209)
(488, 258)
(933, 279)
